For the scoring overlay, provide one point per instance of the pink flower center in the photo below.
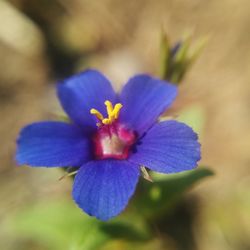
(112, 139)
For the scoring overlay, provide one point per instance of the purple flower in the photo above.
(110, 137)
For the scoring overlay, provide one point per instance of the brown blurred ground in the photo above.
(41, 41)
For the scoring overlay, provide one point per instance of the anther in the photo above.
(96, 113)
(116, 110)
(109, 107)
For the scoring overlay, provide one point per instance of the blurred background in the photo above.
(47, 40)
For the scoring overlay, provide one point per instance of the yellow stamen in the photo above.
(109, 107)
(116, 110)
(96, 113)
(113, 113)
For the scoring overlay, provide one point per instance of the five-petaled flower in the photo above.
(109, 138)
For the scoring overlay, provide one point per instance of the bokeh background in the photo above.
(42, 41)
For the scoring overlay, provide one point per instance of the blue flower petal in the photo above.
(82, 92)
(52, 144)
(103, 188)
(144, 98)
(168, 147)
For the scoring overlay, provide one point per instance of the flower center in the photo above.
(112, 139)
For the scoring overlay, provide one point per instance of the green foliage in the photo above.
(155, 198)
(175, 61)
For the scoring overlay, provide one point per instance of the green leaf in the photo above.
(155, 198)
(196, 50)
(182, 52)
(124, 230)
(174, 66)
(165, 56)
